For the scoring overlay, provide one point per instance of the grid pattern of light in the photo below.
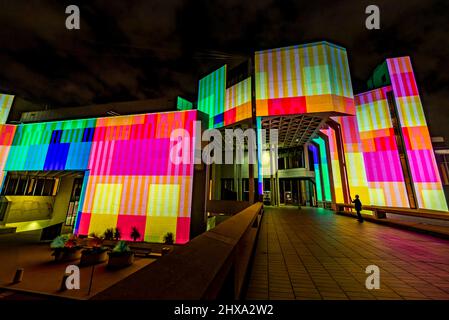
(380, 151)
(6, 101)
(132, 181)
(129, 180)
(238, 102)
(63, 145)
(355, 165)
(335, 163)
(6, 138)
(303, 79)
(211, 96)
(423, 168)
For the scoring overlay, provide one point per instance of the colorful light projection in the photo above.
(63, 145)
(238, 102)
(6, 101)
(355, 165)
(420, 154)
(212, 95)
(129, 178)
(316, 167)
(380, 152)
(6, 138)
(183, 104)
(323, 168)
(132, 181)
(335, 164)
(303, 79)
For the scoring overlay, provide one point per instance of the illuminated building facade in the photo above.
(116, 172)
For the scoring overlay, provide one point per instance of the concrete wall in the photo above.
(29, 208)
(31, 214)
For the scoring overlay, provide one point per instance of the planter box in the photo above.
(89, 258)
(117, 261)
(67, 254)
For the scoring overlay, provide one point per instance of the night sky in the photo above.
(132, 50)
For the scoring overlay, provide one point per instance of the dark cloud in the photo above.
(129, 50)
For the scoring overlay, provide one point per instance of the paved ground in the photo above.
(315, 254)
(43, 275)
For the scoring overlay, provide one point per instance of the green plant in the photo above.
(117, 234)
(135, 234)
(121, 248)
(169, 238)
(59, 242)
(109, 234)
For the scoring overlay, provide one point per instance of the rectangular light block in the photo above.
(107, 198)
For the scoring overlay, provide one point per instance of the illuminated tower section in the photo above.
(6, 132)
(212, 95)
(6, 101)
(421, 159)
(384, 171)
(238, 102)
(6, 139)
(310, 78)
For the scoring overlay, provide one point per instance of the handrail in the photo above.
(212, 265)
(380, 212)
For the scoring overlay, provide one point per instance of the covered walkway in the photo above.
(316, 254)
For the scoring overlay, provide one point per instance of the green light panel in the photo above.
(324, 168)
(211, 96)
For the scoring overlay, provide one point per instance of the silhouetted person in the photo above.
(358, 207)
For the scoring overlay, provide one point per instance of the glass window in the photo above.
(39, 187)
(48, 187)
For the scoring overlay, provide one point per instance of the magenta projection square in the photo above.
(125, 224)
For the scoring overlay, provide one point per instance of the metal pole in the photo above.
(91, 279)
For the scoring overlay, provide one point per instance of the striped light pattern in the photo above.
(238, 102)
(6, 101)
(380, 151)
(183, 104)
(6, 138)
(355, 164)
(324, 168)
(423, 168)
(63, 145)
(212, 95)
(303, 79)
(335, 164)
(132, 181)
(259, 155)
(129, 179)
(316, 168)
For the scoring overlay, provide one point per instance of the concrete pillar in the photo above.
(306, 156)
(251, 182)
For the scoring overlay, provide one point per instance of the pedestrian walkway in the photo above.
(316, 254)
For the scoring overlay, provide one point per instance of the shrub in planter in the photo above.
(117, 234)
(169, 238)
(66, 248)
(109, 234)
(94, 255)
(121, 256)
(135, 234)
